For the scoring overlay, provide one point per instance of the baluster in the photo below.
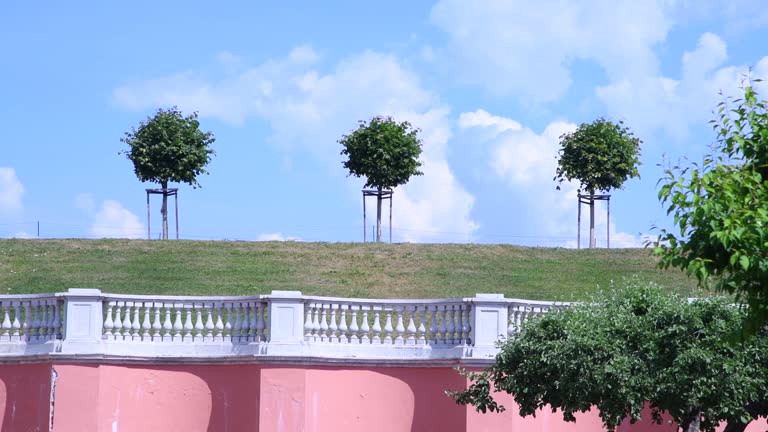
(146, 323)
(56, 320)
(237, 324)
(354, 328)
(260, 323)
(108, 323)
(324, 322)
(388, 325)
(440, 315)
(16, 335)
(228, 326)
(219, 326)
(209, 322)
(450, 328)
(118, 323)
(157, 325)
(39, 323)
(167, 326)
(466, 325)
(365, 330)
(127, 324)
(245, 325)
(255, 337)
(33, 321)
(400, 340)
(27, 322)
(136, 324)
(199, 322)
(178, 327)
(6, 322)
(188, 326)
(308, 322)
(343, 329)
(411, 328)
(421, 330)
(52, 305)
(376, 325)
(316, 336)
(433, 328)
(333, 328)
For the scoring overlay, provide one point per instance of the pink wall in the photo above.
(259, 398)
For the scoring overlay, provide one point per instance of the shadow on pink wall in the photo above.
(25, 397)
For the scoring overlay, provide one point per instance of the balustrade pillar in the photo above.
(489, 323)
(285, 330)
(84, 322)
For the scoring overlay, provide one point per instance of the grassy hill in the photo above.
(333, 269)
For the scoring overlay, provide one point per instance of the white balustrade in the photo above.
(184, 320)
(387, 322)
(30, 318)
(280, 324)
(520, 311)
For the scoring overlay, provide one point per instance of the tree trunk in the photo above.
(693, 423)
(378, 216)
(164, 209)
(592, 242)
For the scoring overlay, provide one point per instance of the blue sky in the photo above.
(492, 85)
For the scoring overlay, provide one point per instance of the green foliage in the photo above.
(169, 147)
(601, 155)
(626, 348)
(384, 151)
(719, 207)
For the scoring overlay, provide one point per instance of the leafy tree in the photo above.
(385, 152)
(169, 147)
(720, 208)
(601, 155)
(628, 349)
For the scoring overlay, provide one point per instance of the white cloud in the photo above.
(22, 235)
(526, 48)
(276, 237)
(309, 110)
(661, 103)
(11, 190)
(113, 220)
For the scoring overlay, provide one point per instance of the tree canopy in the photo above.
(719, 208)
(169, 147)
(601, 155)
(383, 151)
(628, 349)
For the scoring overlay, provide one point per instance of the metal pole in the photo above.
(38, 229)
(364, 240)
(390, 217)
(578, 223)
(149, 224)
(608, 228)
(176, 200)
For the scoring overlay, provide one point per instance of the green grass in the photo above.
(333, 269)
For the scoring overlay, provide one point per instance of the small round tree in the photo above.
(386, 153)
(169, 147)
(601, 155)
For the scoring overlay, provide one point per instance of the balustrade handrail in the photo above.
(199, 299)
(405, 302)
